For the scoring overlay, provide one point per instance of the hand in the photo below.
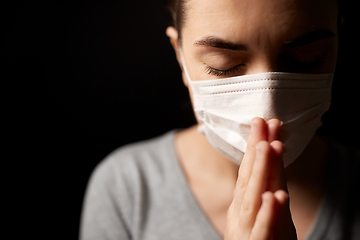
(260, 207)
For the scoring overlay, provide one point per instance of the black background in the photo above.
(81, 78)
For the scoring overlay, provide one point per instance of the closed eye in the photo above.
(309, 38)
(221, 73)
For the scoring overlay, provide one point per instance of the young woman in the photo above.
(259, 74)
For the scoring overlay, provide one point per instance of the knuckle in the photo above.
(263, 145)
(241, 183)
(247, 208)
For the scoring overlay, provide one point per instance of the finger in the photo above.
(274, 126)
(256, 187)
(282, 198)
(276, 174)
(258, 133)
(284, 227)
(263, 227)
(278, 147)
(276, 178)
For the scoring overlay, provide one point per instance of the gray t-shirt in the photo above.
(140, 192)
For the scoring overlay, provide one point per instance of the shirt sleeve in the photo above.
(102, 218)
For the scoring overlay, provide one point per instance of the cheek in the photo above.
(333, 55)
(312, 58)
(329, 59)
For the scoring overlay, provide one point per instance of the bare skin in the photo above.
(214, 187)
(238, 37)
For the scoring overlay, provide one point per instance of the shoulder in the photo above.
(134, 170)
(344, 167)
(134, 161)
(128, 177)
(346, 161)
(343, 194)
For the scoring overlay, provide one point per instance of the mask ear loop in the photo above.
(184, 65)
(201, 125)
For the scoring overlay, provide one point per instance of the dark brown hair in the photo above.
(177, 10)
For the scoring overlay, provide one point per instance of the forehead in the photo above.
(258, 20)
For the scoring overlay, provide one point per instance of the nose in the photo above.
(263, 64)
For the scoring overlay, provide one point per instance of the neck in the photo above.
(194, 148)
(207, 171)
(307, 169)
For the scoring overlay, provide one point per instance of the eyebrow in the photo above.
(216, 42)
(310, 38)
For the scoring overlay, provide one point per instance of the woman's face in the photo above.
(237, 37)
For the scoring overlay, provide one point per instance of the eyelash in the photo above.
(219, 73)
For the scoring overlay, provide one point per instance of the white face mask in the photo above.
(225, 108)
